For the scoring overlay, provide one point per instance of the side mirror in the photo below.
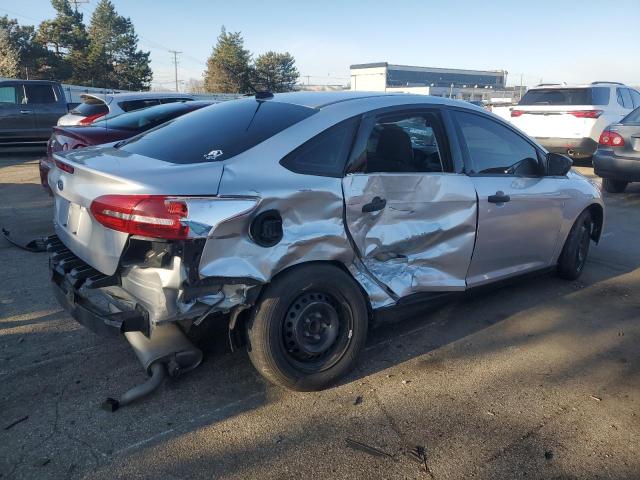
(558, 165)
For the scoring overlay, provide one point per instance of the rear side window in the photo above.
(218, 132)
(624, 98)
(632, 118)
(325, 154)
(91, 106)
(40, 94)
(635, 96)
(131, 105)
(495, 149)
(563, 96)
(8, 95)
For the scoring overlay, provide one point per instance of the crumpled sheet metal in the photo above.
(423, 239)
(311, 208)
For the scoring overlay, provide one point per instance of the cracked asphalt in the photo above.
(539, 379)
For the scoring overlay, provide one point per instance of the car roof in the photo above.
(578, 85)
(322, 100)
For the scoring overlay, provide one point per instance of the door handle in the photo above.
(376, 204)
(25, 112)
(499, 197)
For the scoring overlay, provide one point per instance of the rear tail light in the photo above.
(65, 167)
(611, 139)
(156, 216)
(90, 118)
(516, 113)
(586, 113)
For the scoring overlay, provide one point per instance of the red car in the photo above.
(117, 128)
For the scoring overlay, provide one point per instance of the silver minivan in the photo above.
(297, 219)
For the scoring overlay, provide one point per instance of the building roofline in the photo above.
(425, 69)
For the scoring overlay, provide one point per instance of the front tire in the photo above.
(309, 328)
(614, 186)
(576, 248)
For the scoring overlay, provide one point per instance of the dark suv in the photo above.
(28, 111)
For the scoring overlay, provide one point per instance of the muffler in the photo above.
(167, 351)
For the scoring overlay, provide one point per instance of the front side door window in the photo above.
(411, 218)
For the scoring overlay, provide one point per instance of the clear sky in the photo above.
(572, 40)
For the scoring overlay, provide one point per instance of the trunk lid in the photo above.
(101, 171)
(548, 121)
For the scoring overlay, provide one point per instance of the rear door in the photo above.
(520, 210)
(411, 216)
(17, 122)
(43, 100)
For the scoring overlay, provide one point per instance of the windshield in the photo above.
(566, 96)
(144, 119)
(218, 132)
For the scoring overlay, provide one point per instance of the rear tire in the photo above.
(614, 186)
(576, 248)
(308, 328)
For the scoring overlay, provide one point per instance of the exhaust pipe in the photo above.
(167, 351)
(571, 152)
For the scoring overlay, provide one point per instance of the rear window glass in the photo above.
(218, 132)
(131, 105)
(175, 99)
(91, 106)
(633, 117)
(566, 96)
(144, 119)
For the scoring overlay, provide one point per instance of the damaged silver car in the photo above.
(297, 218)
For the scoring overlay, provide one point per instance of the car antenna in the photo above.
(258, 94)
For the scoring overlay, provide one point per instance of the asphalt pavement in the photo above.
(540, 379)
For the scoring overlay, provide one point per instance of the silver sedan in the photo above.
(299, 218)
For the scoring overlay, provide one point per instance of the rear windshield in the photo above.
(633, 117)
(566, 96)
(144, 119)
(91, 106)
(218, 132)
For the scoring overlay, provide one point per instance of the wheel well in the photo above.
(597, 214)
(244, 316)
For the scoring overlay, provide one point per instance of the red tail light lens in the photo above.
(516, 113)
(65, 167)
(611, 139)
(586, 113)
(154, 216)
(90, 119)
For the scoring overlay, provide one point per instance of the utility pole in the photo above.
(175, 64)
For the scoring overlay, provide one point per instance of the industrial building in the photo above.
(472, 85)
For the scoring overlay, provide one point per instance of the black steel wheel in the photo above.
(308, 327)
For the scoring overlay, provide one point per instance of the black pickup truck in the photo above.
(28, 111)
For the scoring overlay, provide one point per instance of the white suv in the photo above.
(569, 119)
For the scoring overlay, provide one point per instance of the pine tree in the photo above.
(275, 72)
(9, 60)
(113, 58)
(35, 61)
(228, 67)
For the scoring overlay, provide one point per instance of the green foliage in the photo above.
(228, 69)
(275, 72)
(9, 60)
(104, 55)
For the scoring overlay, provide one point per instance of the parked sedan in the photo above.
(299, 218)
(617, 159)
(111, 130)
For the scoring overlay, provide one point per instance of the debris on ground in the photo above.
(548, 454)
(358, 400)
(597, 399)
(419, 453)
(363, 447)
(13, 424)
(36, 245)
(406, 382)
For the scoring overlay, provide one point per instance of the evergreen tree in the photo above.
(228, 67)
(35, 61)
(113, 58)
(9, 60)
(275, 72)
(66, 36)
